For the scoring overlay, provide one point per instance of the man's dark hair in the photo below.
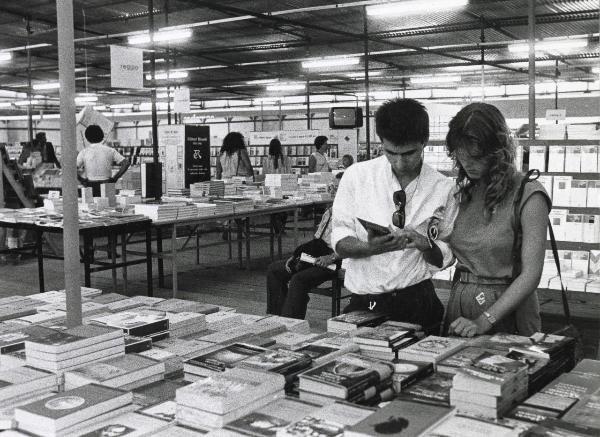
(319, 141)
(94, 134)
(402, 121)
(39, 135)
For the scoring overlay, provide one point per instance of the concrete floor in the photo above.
(217, 279)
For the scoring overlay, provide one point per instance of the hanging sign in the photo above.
(126, 67)
(197, 154)
(181, 100)
(556, 114)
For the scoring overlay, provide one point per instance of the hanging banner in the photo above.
(171, 140)
(197, 154)
(181, 100)
(126, 67)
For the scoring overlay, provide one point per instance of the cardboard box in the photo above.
(589, 159)
(578, 195)
(537, 158)
(573, 159)
(556, 159)
(561, 190)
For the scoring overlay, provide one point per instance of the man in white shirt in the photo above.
(416, 203)
(94, 163)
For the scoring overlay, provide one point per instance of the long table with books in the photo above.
(91, 227)
(147, 366)
(242, 220)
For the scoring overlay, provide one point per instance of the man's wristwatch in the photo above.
(490, 318)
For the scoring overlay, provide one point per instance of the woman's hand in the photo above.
(464, 327)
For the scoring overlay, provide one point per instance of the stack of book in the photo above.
(285, 362)
(12, 307)
(299, 326)
(287, 183)
(431, 349)
(173, 364)
(181, 192)
(351, 377)
(462, 358)
(108, 298)
(66, 413)
(129, 424)
(23, 385)
(586, 412)
(241, 204)
(135, 344)
(223, 207)
(126, 372)
(408, 372)
(184, 306)
(51, 316)
(206, 209)
(218, 359)
(158, 211)
(291, 340)
(385, 340)
(88, 308)
(185, 323)
(222, 320)
(432, 389)
(490, 386)
(354, 320)
(327, 349)
(541, 406)
(187, 211)
(59, 351)
(210, 188)
(139, 324)
(214, 401)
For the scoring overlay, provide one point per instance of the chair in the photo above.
(334, 291)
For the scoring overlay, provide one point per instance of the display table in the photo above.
(242, 221)
(88, 233)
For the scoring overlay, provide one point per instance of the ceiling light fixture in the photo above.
(46, 86)
(261, 81)
(26, 102)
(5, 104)
(5, 56)
(86, 99)
(549, 45)
(434, 79)
(161, 36)
(414, 7)
(361, 74)
(171, 75)
(330, 62)
(286, 87)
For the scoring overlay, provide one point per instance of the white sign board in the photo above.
(556, 114)
(181, 100)
(347, 142)
(171, 139)
(126, 67)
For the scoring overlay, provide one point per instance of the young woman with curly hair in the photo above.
(486, 296)
(233, 159)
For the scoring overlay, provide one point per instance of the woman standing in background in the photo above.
(234, 159)
(276, 162)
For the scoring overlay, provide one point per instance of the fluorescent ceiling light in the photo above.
(261, 81)
(157, 61)
(361, 74)
(414, 7)
(5, 104)
(5, 56)
(122, 106)
(543, 63)
(549, 45)
(26, 102)
(163, 95)
(171, 75)
(161, 36)
(330, 62)
(286, 87)
(434, 79)
(86, 99)
(46, 86)
(596, 70)
(468, 67)
(100, 108)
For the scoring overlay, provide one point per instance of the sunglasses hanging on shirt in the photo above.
(399, 216)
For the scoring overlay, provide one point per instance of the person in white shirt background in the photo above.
(415, 202)
(94, 162)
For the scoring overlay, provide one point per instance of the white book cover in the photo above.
(561, 190)
(589, 159)
(537, 158)
(578, 196)
(573, 159)
(593, 194)
(556, 159)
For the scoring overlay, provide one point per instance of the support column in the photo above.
(66, 69)
(531, 35)
(367, 97)
(308, 121)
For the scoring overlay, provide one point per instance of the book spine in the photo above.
(148, 329)
(140, 346)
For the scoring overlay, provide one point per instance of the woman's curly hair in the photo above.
(483, 126)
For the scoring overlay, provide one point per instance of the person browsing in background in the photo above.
(392, 272)
(317, 161)
(234, 159)
(41, 145)
(486, 296)
(276, 162)
(289, 282)
(347, 161)
(94, 162)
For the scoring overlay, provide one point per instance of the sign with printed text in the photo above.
(181, 100)
(126, 67)
(197, 154)
(556, 114)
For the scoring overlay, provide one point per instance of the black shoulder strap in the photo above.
(532, 175)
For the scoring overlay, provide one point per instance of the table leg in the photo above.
(240, 237)
(88, 253)
(174, 258)
(149, 260)
(161, 265)
(198, 245)
(124, 258)
(228, 231)
(271, 238)
(112, 241)
(248, 266)
(296, 227)
(40, 258)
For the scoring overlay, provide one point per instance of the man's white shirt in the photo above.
(366, 191)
